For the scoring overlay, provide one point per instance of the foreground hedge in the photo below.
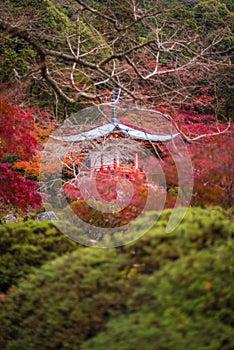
(161, 293)
(186, 305)
(27, 245)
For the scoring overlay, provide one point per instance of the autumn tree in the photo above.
(214, 172)
(212, 159)
(172, 56)
(81, 49)
(17, 143)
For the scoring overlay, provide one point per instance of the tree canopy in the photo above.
(77, 51)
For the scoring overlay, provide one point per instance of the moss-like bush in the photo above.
(173, 292)
(186, 305)
(200, 229)
(26, 246)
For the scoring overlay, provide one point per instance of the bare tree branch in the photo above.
(101, 50)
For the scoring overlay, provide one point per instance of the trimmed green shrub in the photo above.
(28, 245)
(160, 293)
(186, 305)
(200, 229)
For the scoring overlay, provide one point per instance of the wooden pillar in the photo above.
(136, 161)
(117, 159)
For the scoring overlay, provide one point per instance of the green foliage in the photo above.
(55, 22)
(162, 292)
(225, 88)
(14, 59)
(216, 19)
(213, 14)
(26, 246)
(200, 229)
(51, 17)
(184, 305)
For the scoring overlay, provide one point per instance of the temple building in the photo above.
(109, 159)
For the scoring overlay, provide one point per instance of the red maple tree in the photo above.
(17, 143)
(213, 162)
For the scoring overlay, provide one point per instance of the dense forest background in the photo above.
(171, 56)
(158, 53)
(161, 292)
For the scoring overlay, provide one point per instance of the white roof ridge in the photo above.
(143, 135)
(107, 129)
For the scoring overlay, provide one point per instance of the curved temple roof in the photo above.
(109, 128)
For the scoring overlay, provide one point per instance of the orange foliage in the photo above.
(43, 128)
